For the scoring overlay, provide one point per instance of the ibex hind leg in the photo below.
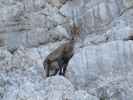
(55, 67)
(56, 71)
(61, 65)
(47, 70)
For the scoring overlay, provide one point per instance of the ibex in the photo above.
(59, 58)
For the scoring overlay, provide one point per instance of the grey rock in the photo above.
(32, 22)
(5, 58)
(106, 66)
(29, 23)
(95, 15)
(121, 28)
(58, 88)
(22, 76)
(57, 3)
(95, 39)
(98, 15)
(68, 8)
(128, 3)
(83, 95)
(101, 66)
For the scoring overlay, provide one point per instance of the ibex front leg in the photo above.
(64, 69)
(61, 66)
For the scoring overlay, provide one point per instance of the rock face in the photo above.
(101, 68)
(107, 67)
(120, 29)
(96, 15)
(22, 76)
(58, 88)
(30, 23)
(19, 76)
(33, 22)
(83, 95)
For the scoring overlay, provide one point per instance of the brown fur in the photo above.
(59, 58)
(75, 32)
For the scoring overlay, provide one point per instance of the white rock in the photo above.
(25, 79)
(98, 15)
(105, 65)
(58, 88)
(56, 3)
(120, 29)
(119, 33)
(20, 75)
(5, 58)
(83, 95)
(31, 5)
(95, 39)
(58, 33)
(66, 10)
(128, 3)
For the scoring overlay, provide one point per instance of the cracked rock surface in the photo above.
(102, 66)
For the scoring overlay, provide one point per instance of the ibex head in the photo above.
(75, 29)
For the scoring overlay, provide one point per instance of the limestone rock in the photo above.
(95, 39)
(22, 77)
(5, 58)
(99, 15)
(18, 72)
(95, 15)
(128, 3)
(68, 8)
(120, 28)
(58, 88)
(83, 95)
(104, 66)
(57, 3)
(58, 34)
(101, 67)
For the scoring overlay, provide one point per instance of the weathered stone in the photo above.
(104, 71)
(128, 3)
(120, 29)
(5, 58)
(56, 3)
(58, 88)
(83, 95)
(106, 65)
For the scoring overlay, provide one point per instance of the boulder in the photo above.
(55, 88)
(58, 88)
(83, 95)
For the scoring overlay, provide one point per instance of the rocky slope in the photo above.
(101, 68)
